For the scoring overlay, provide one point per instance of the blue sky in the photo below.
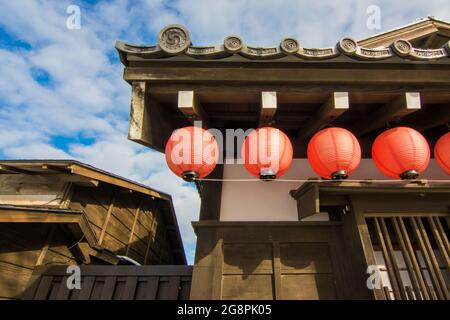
(62, 93)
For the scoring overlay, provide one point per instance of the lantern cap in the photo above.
(267, 175)
(339, 175)
(190, 176)
(409, 175)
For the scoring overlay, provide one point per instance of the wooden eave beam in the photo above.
(139, 115)
(80, 170)
(336, 105)
(12, 169)
(55, 168)
(332, 74)
(407, 103)
(268, 108)
(150, 124)
(189, 105)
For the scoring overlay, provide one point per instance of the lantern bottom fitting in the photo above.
(189, 176)
(267, 175)
(339, 175)
(410, 174)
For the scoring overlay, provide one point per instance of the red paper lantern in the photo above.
(401, 153)
(192, 152)
(442, 152)
(267, 153)
(334, 153)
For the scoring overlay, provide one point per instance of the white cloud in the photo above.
(87, 97)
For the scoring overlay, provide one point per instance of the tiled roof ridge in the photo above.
(174, 40)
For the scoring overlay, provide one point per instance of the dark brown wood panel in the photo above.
(257, 260)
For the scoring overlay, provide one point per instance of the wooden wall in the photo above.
(20, 189)
(23, 247)
(126, 223)
(291, 260)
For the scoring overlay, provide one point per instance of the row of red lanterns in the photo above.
(333, 153)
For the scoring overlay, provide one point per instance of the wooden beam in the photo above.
(11, 169)
(407, 103)
(84, 252)
(139, 115)
(151, 234)
(86, 172)
(55, 168)
(435, 116)
(44, 250)
(244, 74)
(268, 108)
(189, 105)
(136, 217)
(108, 216)
(76, 222)
(330, 110)
(428, 43)
(150, 124)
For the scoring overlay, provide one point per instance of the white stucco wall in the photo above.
(270, 201)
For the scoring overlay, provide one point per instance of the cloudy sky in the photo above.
(62, 93)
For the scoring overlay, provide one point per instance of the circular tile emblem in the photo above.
(348, 46)
(232, 44)
(289, 45)
(402, 47)
(174, 39)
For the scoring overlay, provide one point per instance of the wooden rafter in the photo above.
(55, 168)
(329, 111)
(189, 105)
(407, 103)
(439, 115)
(268, 108)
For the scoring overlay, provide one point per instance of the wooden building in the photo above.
(65, 212)
(314, 240)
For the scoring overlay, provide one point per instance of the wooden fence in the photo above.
(171, 282)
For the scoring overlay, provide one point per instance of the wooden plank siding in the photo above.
(112, 283)
(19, 258)
(273, 260)
(112, 216)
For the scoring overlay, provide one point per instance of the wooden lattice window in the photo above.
(412, 252)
